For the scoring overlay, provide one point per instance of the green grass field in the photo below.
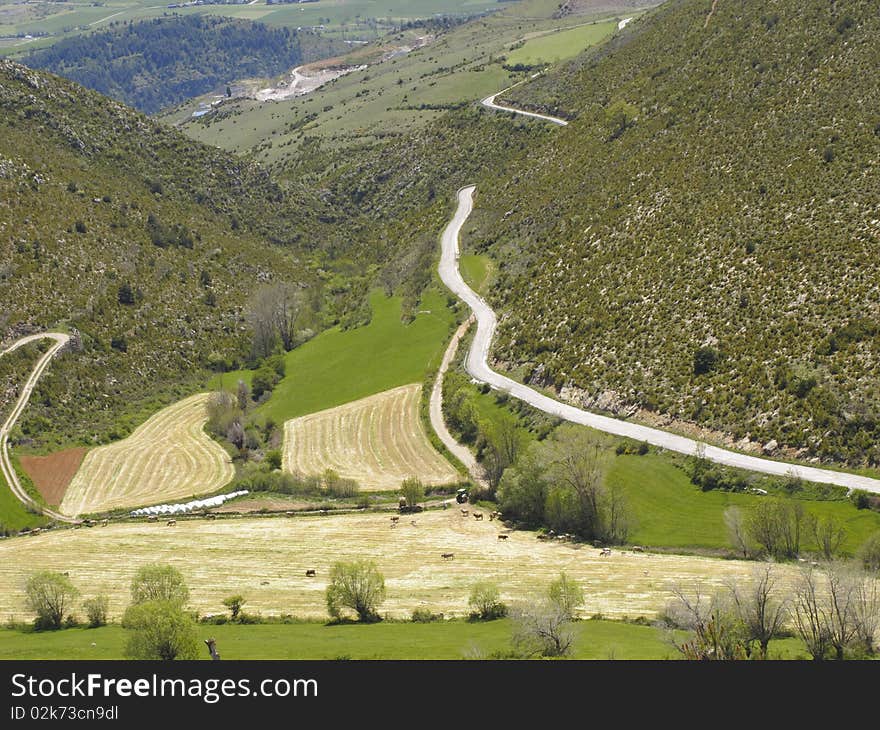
(477, 271)
(560, 45)
(339, 366)
(352, 19)
(596, 639)
(396, 96)
(672, 512)
(13, 515)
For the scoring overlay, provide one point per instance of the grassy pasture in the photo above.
(560, 45)
(672, 512)
(595, 639)
(396, 96)
(378, 440)
(169, 457)
(265, 559)
(339, 366)
(477, 271)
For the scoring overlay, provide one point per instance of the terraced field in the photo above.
(169, 457)
(265, 560)
(378, 440)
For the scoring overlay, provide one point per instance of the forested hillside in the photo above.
(147, 243)
(156, 63)
(703, 240)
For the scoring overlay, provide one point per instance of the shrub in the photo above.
(485, 602)
(426, 616)
(358, 586)
(869, 553)
(160, 630)
(96, 611)
(49, 595)
(159, 582)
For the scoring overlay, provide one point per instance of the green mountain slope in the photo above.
(147, 243)
(156, 63)
(703, 241)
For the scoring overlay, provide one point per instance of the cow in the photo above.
(447, 556)
(310, 573)
(171, 523)
(478, 515)
(502, 537)
(395, 518)
(605, 552)
(152, 518)
(638, 549)
(464, 513)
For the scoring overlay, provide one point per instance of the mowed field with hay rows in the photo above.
(169, 457)
(265, 559)
(378, 441)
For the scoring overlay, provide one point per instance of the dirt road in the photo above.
(6, 467)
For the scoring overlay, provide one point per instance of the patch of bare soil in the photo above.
(51, 474)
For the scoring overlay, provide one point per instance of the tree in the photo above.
(776, 525)
(125, 294)
(413, 491)
(242, 395)
(869, 553)
(734, 521)
(829, 534)
(761, 611)
(810, 615)
(619, 117)
(272, 314)
(96, 611)
(159, 582)
(485, 602)
(356, 585)
(567, 595)
(716, 632)
(160, 630)
(502, 445)
(49, 595)
(234, 604)
(542, 628)
(705, 360)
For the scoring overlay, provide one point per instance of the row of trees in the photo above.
(834, 610)
(560, 483)
(778, 528)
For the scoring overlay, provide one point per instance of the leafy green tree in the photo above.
(49, 595)
(160, 630)
(358, 586)
(96, 609)
(485, 602)
(567, 595)
(413, 491)
(159, 582)
(234, 604)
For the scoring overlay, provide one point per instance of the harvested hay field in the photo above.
(170, 457)
(51, 474)
(378, 440)
(265, 559)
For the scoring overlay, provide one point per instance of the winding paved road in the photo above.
(489, 103)
(8, 471)
(477, 366)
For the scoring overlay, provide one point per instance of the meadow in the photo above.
(170, 457)
(339, 366)
(404, 88)
(560, 45)
(595, 639)
(379, 441)
(266, 558)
